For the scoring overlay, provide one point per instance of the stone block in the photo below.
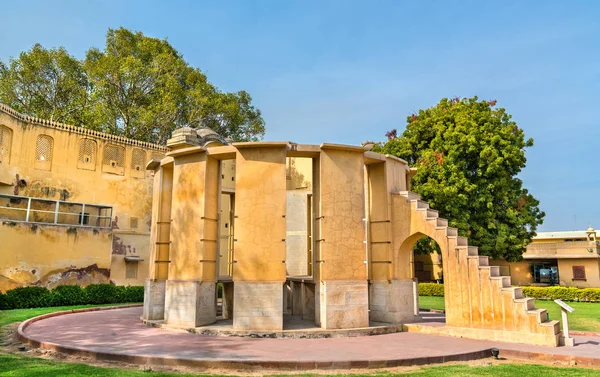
(258, 306)
(190, 303)
(392, 301)
(154, 300)
(344, 304)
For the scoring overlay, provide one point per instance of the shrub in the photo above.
(539, 293)
(27, 297)
(102, 294)
(131, 294)
(68, 295)
(431, 289)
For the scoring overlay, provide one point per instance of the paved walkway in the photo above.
(119, 335)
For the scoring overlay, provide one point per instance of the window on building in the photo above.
(545, 273)
(43, 152)
(579, 273)
(113, 159)
(138, 159)
(131, 269)
(5, 143)
(87, 154)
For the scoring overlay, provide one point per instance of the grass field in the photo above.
(19, 315)
(585, 318)
(21, 366)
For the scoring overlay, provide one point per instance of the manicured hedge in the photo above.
(540, 293)
(36, 297)
(431, 289)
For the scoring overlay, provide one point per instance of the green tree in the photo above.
(143, 88)
(49, 84)
(138, 87)
(468, 155)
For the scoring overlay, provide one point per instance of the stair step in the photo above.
(439, 222)
(472, 251)
(430, 213)
(451, 232)
(517, 292)
(503, 280)
(528, 302)
(494, 271)
(460, 241)
(484, 260)
(541, 314)
(554, 324)
(410, 195)
(419, 204)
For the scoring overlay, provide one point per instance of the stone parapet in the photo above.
(392, 301)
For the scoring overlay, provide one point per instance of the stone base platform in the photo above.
(294, 327)
(119, 335)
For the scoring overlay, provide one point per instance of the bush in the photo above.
(431, 289)
(539, 293)
(131, 294)
(27, 297)
(63, 295)
(102, 294)
(68, 295)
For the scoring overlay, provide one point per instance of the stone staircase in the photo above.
(477, 296)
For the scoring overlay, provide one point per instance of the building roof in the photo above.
(559, 235)
(78, 130)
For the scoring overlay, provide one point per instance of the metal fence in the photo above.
(57, 212)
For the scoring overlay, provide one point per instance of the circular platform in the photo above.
(119, 335)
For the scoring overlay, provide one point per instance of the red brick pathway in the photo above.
(119, 335)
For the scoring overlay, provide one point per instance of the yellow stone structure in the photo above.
(325, 232)
(75, 204)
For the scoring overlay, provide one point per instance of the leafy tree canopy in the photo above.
(468, 154)
(138, 87)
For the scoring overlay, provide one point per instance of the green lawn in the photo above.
(19, 315)
(586, 316)
(22, 366)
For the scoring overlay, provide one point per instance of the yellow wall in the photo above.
(65, 175)
(592, 272)
(519, 272)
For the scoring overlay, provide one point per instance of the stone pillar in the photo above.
(227, 300)
(190, 298)
(343, 288)
(154, 286)
(260, 229)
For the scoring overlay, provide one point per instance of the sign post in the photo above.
(565, 309)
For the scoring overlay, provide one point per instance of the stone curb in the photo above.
(584, 333)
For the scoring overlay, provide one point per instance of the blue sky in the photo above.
(348, 71)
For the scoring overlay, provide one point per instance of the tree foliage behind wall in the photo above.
(137, 87)
(468, 154)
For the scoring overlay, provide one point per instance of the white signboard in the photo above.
(564, 306)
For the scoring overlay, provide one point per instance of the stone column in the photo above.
(342, 286)
(154, 286)
(391, 295)
(191, 288)
(260, 228)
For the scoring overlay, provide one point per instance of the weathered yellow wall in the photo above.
(432, 263)
(48, 255)
(260, 227)
(63, 175)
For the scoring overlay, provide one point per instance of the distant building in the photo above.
(75, 204)
(558, 258)
(569, 259)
